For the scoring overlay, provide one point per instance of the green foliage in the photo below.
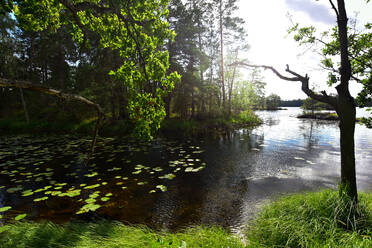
(313, 105)
(106, 234)
(136, 30)
(312, 220)
(246, 118)
(273, 102)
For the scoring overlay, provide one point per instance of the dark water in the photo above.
(174, 183)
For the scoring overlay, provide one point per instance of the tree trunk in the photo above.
(347, 112)
(222, 62)
(232, 81)
(112, 100)
(192, 104)
(167, 101)
(24, 106)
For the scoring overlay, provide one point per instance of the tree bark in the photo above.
(347, 112)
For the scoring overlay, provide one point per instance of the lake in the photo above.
(173, 183)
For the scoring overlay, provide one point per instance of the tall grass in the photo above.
(319, 219)
(109, 235)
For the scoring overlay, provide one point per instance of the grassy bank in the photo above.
(110, 235)
(302, 220)
(312, 220)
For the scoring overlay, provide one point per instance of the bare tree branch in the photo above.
(334, 8)
(266, 68)
(303, 79)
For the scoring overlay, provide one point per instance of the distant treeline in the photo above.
(292, 103)
(300, 102)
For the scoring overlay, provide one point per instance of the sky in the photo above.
(267, 23)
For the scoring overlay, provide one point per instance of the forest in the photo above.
(204, 40)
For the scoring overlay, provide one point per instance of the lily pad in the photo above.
(20, 217)
(161, 187)
(41, 199)
(3, 209)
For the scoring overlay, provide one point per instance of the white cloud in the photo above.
(316, 11)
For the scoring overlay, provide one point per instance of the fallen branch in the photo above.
(64, 96)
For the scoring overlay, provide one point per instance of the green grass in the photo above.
(109, 235)
(302, 220)
(312, 220)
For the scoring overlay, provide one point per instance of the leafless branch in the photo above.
(323, 97)
(334, 8)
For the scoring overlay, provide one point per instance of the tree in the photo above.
(312, 105)
(137, 29)
(228, 26)
(272, 102)
(343, 103)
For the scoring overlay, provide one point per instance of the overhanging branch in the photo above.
(323, 97)
(59, 94)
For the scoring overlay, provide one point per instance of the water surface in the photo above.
(173, 183)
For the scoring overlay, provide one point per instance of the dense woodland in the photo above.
(209, 38)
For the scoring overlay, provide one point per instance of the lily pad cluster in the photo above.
(39, 169)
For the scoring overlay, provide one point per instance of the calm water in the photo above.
(175, 183)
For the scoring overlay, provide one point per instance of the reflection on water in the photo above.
(242, 170)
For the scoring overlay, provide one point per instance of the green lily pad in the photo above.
(168, 176)
(20, 217)
(161, 187)
(41, 199)
(3, 209)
